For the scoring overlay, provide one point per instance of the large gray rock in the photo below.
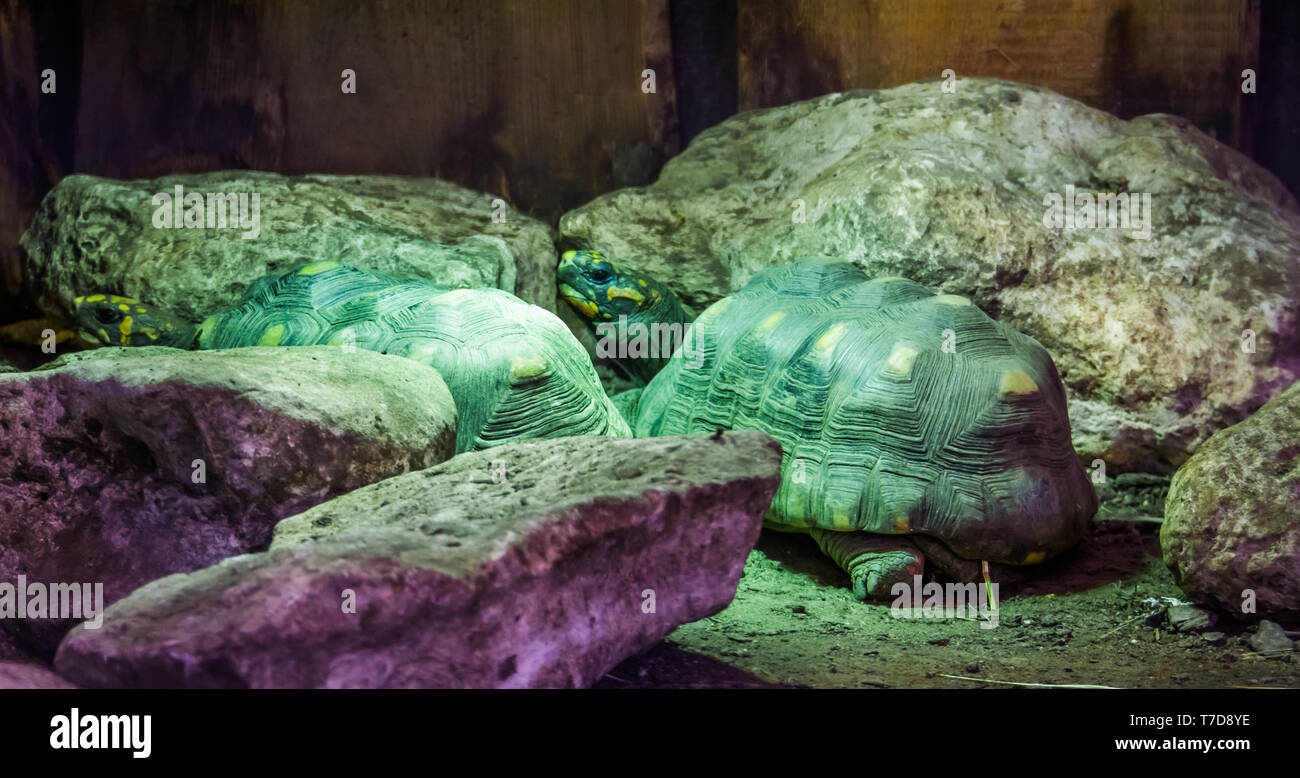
(120, 466)
(951, 190)
(98, 235)
(537, 564)
(1232, 519)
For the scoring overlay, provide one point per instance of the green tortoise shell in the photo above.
(514, 370)
(899, 411)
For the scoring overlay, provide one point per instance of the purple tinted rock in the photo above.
(1231, 534)
(537, 564)
(120, 466)
(20, 675)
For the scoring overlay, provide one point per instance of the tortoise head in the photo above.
(110, 320)
(637, 321)
(600, 291)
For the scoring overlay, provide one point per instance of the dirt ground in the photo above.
(1086, 620)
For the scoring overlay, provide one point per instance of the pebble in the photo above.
(1189, 618)
(1270, 639)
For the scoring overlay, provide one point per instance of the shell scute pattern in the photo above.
(477, 339)
(898, 409)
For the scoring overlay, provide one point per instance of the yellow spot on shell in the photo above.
(1017, 382)
(830, 337)
(626, 293)
(527, 367)
(841, 519)
(205, 330)
(1034, 557)
(125, 329)
(317, 267)
(951, 299)
(900, 359)
(902, 525)
(771, 321)
(272, 336)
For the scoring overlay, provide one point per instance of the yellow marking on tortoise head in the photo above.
(527, 367)
(585, 307)
(125, 329)
(94, 298)
(103, 335)
(1017, 382)
(641, 281)
(951, 299)
(830, 337)
(141, 310)
(150, 333)
(117, 299)
(317, 267)
(1034, 557)
(272, 336)
(627, 293)
(568, 256)
(900, 359)
(123, 307)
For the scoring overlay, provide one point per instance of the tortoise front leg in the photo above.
(874, 562)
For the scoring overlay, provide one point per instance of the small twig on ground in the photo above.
(1126, 623)
(1035, 685)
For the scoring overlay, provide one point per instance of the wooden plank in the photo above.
(1125, 57)
(28, 165)
(538, 101)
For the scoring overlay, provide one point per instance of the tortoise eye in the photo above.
(108, 315)
(599, 275)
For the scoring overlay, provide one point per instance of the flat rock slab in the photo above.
(97, 235)
(951, 189)
(536, 564)
(1231, 534)
(119, 466)
(20, 675)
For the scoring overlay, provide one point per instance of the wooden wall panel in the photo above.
(1128, 57)
(28, 165)
(536, 100)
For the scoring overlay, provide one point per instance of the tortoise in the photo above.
(900, 412)
(514, 370)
